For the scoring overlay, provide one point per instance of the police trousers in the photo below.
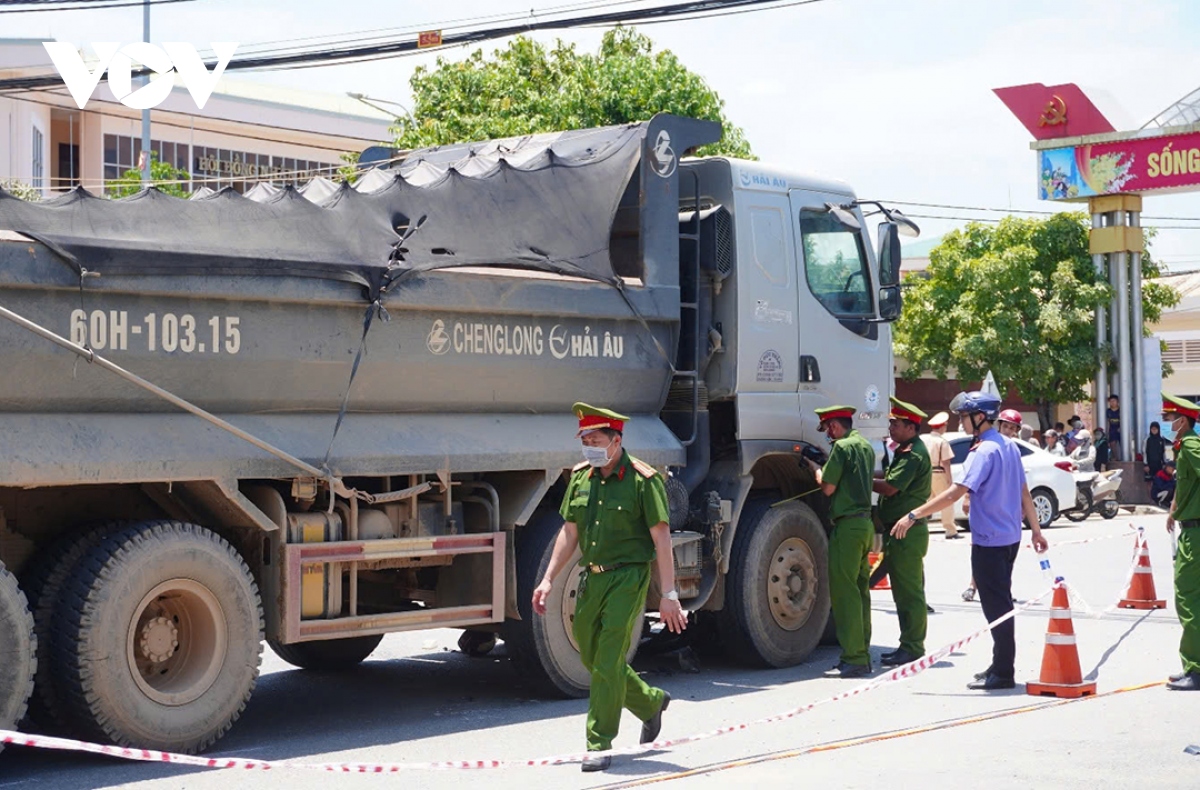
(992, 568)
(850, 588)
(906, 569)
(607, 615)
(1187, 597)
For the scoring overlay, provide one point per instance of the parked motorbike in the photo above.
(1095, 492)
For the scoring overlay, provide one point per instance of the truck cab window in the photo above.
(835, 265)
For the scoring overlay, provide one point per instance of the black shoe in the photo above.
(599, 763)
(929, 609)
(845, 671)
(652, 726)
(1189, 682)
(983, 674)
(992, 682)
(1177, 676)
(955, 536)
(897, 658)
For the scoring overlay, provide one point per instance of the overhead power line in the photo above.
(34, 6)
(1038, 212)
(694, 9)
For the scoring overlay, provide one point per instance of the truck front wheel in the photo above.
(777, 590)
(157, 639)
(18, 648)
(542, 647)
(329, 654)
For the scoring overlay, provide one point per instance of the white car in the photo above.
(1051, 483)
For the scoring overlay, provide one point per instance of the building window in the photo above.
(38, 173)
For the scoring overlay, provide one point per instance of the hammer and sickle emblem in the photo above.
(1055, 113)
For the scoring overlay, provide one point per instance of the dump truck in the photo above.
(314, 417)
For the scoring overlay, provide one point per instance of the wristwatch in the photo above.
(673, 595)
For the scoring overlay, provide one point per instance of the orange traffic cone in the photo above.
(875, 559)
(1141, 594)
(1061, 675)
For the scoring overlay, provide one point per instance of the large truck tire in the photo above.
(18, 652)
(542, 648)
(327, 654)
(43, 581)
(777, 589)
(158, 638)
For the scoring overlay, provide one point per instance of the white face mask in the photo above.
(596, 456)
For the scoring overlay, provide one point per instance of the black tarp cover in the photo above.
(545, 202)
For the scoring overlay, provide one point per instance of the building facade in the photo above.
(247, 133)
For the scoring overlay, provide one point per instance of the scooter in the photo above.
(1095, 492)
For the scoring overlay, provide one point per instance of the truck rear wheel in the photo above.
(542, 646)
(18, 652)
(329, 654)
(43, 580)
(158, 638)
(777, 590)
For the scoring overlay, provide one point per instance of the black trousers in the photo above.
(992, 567)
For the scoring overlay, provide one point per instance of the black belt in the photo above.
(1190, 523)
(590, 568)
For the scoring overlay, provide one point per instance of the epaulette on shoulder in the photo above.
(642, 468)
(579, 466)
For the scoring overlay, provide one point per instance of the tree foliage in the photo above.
(527, 88)
(163, 175)
(20, 189)
(1018, 299)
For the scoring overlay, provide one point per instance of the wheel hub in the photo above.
(160, 638)
(792, 584)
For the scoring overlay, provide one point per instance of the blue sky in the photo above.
(894, 97)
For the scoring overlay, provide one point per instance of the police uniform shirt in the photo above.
(909, 472)
(850, 469)
(614, 514)
(1187, 478)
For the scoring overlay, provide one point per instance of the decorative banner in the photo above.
(1138, 165)
(1054, 111)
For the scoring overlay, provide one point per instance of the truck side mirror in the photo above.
(889, 255)
(889, 303)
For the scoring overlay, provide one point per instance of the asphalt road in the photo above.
(417, 699)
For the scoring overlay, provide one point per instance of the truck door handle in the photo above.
(810, 371)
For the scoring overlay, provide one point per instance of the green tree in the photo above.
(1019, 299)
(163, 175)
(21, 189)
(527, 88)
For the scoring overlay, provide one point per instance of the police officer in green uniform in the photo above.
(615, 510)
(846, 480)
(1185, 511)
(904, 488)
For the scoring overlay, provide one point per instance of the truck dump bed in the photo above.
(258, 310)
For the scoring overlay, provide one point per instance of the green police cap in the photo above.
(905, 411)
(834, 412)
(591, 419)
(1173, 404)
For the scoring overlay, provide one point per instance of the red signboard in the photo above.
(429, 38)
(1138, 165)
(1055, 111)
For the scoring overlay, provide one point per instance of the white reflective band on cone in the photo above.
(1143, 569)
(1060, 639)
(1060, 614)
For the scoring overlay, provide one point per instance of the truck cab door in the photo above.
(845, 352)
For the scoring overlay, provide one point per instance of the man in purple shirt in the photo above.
(994, 476)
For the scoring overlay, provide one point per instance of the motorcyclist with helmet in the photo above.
(995, 478)
(1009, 423)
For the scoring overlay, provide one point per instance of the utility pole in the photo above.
(146, 112)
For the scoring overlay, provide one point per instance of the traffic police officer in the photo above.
(615, 510)
(846, 480)
(1185, 511)
(905, 487)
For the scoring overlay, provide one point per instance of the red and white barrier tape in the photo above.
(1139, 548)
(905, 672)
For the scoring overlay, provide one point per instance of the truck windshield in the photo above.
(835, 265)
